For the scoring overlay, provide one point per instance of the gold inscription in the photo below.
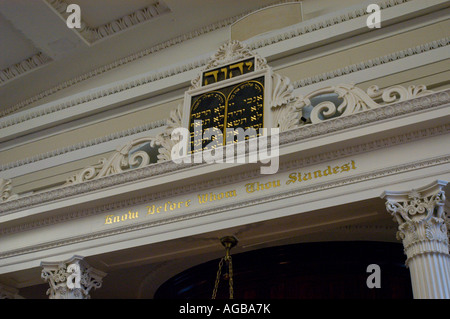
(167, 207)
(297, 177)
(210, 197)
(257, 186)
(110, 219)
(228, 71)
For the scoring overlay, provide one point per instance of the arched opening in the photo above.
(328, 270)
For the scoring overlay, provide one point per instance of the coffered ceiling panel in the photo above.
(36, 43)
(15, 46)
(100, 12)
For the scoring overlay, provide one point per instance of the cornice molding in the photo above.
(83, 144)
(205, 185)
(371, 63)
(297, 84)
(145, 225)
(93, 34)
(156, 76)
(302, 28)
(303, 133)
(33, 62)
(131, 58)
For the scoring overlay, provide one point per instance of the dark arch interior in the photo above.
(330, 270)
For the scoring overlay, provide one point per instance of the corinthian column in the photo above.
(71, 279)
(423, 231)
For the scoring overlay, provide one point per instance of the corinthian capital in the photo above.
(71, 279)
(421, 218)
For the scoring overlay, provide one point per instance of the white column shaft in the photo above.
(430, 276)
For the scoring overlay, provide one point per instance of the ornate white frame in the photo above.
(266, 73)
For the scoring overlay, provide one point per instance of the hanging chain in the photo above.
(230, 274)
(228, 245)
(216, 285)
(230, 277)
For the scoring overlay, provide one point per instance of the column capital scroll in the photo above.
(71, 279)
(421, 218)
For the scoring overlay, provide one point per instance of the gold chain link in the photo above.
(228, 242)
(216, 285)
(230, 277)
(230, 274)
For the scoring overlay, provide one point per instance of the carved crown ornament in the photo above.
(288, 111)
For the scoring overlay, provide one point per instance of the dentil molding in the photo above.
(92, 34)
(27, 65)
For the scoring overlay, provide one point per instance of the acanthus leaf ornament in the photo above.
(355, 100)
(6, 190)
(287, 111)
(164, 139)
(397, 93)
(71, 279)
(286, 108)
(116, 163)
(421, 218)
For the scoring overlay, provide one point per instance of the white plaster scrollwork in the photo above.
(286, 107)
(417, 212)
(116, 163)
(356, 100)
(397, 93)
(71, 279)
(121, 160)
(6, 190)
(298, 31)
(164, 139)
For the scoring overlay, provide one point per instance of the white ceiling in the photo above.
(38, 50)
(97, 13)
(15, 47)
